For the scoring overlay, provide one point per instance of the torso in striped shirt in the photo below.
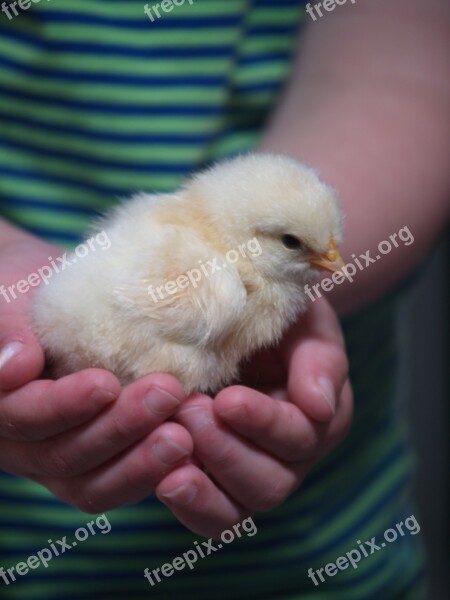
(98, 102)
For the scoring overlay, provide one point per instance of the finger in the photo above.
(130, 477)
(198, 503)
(279, 428)
(45, 408)
(141, 408)
(314, 353)
(240, 468)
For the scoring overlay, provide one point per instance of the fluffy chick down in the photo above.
(101, 312)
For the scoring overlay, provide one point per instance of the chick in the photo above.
(256, 228)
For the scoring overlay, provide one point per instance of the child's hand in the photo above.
(258, 443)
(98, 447)
(92, 444)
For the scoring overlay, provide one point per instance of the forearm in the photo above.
(369, 107)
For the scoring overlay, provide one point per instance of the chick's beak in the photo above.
(331, 260)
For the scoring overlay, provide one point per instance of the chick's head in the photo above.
(282, 207)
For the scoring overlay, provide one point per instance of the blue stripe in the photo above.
(123, 108)
(179, 139)
(101, 189)
(150, 167)
(109, 49)
(55, 207)
(265, 86)
(141, 22)
(116, 50)
(50, 234)
(167, 81)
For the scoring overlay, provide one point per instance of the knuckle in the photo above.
(54, 462)
(263, 420)
(122, 433)
(273, 497)
(142, 475)
(306, 451)
(141, 482)
(311, 443)
(80, 500)
(20, 432)
(225, 459)
(60, 415)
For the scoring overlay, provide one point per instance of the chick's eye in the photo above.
(291, 242)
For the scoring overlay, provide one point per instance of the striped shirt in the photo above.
(98, 101)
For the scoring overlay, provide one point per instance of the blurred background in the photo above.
(425, 395)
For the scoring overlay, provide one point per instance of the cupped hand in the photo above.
(257, 442)
(91, 443)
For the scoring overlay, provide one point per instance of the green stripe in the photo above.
(119, 92)
(105, 123)
(138, 154)
(133, 9)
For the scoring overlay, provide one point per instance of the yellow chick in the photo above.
(196, 280)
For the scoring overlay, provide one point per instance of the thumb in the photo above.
(21, 355)
(315, 356)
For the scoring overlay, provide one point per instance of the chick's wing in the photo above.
(190, 293)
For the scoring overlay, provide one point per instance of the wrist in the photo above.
(11, 234)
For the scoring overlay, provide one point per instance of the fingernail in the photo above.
(327, 391)
(196, 418)
(169, 452)
(183, 495)
(103, 396)
(10, 351)
(160, 402)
